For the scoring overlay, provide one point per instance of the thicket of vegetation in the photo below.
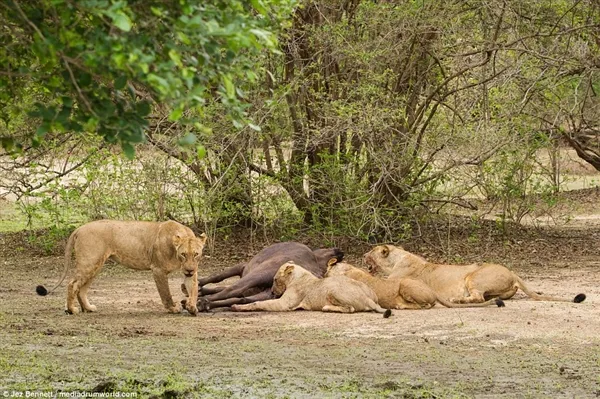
(345, 116)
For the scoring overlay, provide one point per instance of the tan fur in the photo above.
(159, 247)
(460, 283)
(300, 289)
(398, 293)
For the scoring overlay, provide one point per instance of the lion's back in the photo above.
(131, 243)
(344, 290)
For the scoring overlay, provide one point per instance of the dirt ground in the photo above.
(526, 350)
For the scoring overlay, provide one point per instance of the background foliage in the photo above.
(347, 117)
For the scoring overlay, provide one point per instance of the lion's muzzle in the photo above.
(371, 267)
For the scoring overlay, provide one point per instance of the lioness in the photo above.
(461, 283)
(300, 289)
(401, 293)
(160, 247)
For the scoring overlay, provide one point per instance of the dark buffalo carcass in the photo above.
(257, 274)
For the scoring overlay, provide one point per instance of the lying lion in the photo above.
(300, 289)
(401, 293)
(461, 283)
(160, 247)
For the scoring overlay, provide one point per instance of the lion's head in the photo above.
(287, 273)
(283, 277)
(339, 269)
(189, 252)
(389, 258)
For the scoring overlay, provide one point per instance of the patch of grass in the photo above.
(11, 219)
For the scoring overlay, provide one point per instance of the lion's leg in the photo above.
(162, 284)
(509, 294)
(90, 255)
(85, 282)
(334, 305)
(215, 278)
(491, 281)
(475, 295)
(414, 294)
(86, 306)
(72, 291)
(272, 305)
(338, 309)
(191, 284)
(412, 305)
(79, 285)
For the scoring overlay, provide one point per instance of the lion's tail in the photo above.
(40, 289)
(537, 297)
(374, 306)
(495, 301)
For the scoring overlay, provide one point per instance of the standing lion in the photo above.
(162, 247)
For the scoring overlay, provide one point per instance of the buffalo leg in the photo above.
(211, 290)
(215, 278)
(237, 290)
(203, 290)
(262, 296)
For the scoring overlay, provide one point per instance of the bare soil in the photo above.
(527, 349)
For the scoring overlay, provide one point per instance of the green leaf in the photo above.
(161, 84)
(229, 87)
(264, 35)
(67, 101)
(237, 123)
(258, 6)
(42, 130)
(184, 38)
(128, 150)
(176, 114)
(121, 21)
(174, 56)
(8, 143)
(84, 78)
(254, 127)
(63, 116)
(200, 152)
(251, 75)
(120, 82)
(157, 11)
(143, 108)
(187, 140)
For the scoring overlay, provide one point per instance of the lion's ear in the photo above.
(288, 270)
(177, 240)
(385, 251)
(330, 265)
(202, 237)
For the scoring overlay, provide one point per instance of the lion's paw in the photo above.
(176, 308)
(191, 308)
(91, 308)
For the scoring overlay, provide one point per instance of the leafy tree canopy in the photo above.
(104, 66)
